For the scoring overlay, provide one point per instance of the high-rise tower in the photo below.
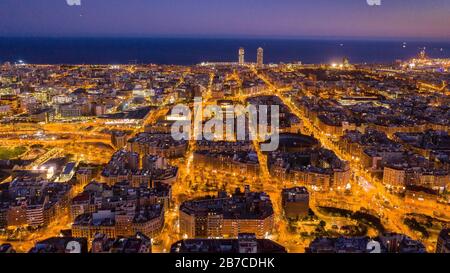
(423, 54)
(241, 56)
(259, 57)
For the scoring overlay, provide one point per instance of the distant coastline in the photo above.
(190, 51)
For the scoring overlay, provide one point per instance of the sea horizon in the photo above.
(195, 50)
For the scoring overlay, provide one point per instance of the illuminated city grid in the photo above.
(86, 152)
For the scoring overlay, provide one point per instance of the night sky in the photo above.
(422, 19)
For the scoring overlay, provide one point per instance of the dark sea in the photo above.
(187, 51)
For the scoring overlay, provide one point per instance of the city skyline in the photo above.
(225, 146)
(361, 159)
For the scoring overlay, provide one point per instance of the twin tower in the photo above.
(259, 56)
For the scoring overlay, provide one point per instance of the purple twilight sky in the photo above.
(422, 19)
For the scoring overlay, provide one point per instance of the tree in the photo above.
(322, 223)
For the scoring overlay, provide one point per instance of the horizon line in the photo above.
(232, 37)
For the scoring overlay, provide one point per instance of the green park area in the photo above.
(11, 152)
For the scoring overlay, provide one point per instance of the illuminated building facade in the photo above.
(260, 57)
(241, 56)
(223, 216)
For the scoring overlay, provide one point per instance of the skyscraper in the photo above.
(259, 57)
(241, 56)
(346, 62)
